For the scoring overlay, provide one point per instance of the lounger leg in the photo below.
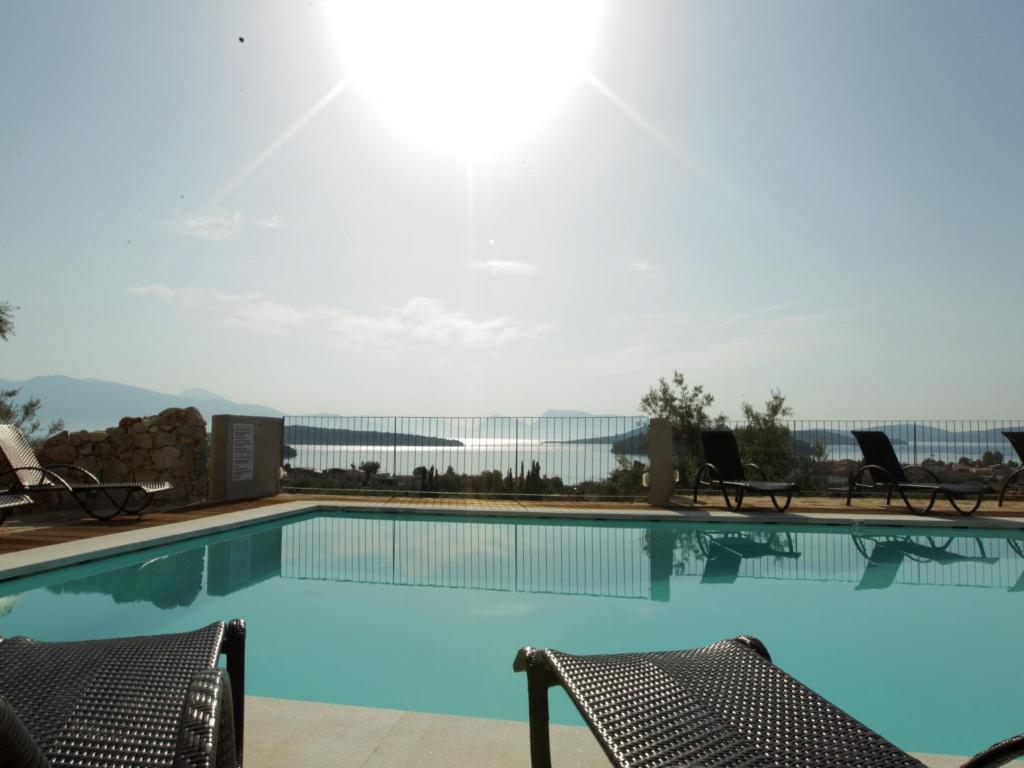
(105, 515)
(1008, 483)
(965, 512)
(540, 742)
(147, 498)
(728, 502)
(234, 649)
(784, 507)
(911, 506)
(931, 502)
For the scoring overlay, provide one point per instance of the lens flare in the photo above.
(466, 76)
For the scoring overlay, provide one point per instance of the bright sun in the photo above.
(466, 76)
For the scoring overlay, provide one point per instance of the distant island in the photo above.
(295, 434)
(624, 442)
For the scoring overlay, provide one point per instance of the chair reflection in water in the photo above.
(1017, 547)
(724, 554)
(885, 556)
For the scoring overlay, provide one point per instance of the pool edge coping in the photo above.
(27, 562)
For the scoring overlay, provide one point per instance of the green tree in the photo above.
(989, 458)
(687, 410)
(370, 468)
(627, 479)
(24, 415)
(765, 440)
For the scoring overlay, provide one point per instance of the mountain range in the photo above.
(95, 404)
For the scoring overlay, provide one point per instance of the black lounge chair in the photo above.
(886, 554)
(9, 501)
(889, 475)
(722, 706)
(723, 555)
(725, 471)
(1017, 441)
(31, 477)
(137, 701)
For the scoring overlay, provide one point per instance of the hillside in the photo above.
(95, 404)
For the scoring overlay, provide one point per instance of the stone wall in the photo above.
(170, 446)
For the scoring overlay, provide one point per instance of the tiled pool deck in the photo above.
(280, 732)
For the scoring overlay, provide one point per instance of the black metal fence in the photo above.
(589, 456)
(493, 456)
(915, 441)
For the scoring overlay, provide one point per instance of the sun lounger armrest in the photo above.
(206, 736)
(42, 470)
(752, 465)
(932, 475)
(998, 754)
(77, 468)
(709, 469)
(16, 743)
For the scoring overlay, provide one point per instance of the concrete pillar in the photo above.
(245, 457)
(661, 474)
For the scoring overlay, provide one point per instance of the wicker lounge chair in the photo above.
(138, 701)
(1017, 441)
(725, 471)
(9, 501)
(889, 475)
(886, 554)
(724, 705)
(724, 554)
(31, 477)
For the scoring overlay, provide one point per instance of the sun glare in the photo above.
(466, 76)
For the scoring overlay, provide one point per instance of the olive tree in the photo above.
(24, 414)
(687, 409)
(765, 439)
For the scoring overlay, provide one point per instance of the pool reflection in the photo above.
(885, 556)
(724, 554)
(169, 581)
(635, 562)
(243, 562)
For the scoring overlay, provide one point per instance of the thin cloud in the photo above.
(420, 320)
(499, 267)
(643, 267)
(220, 227)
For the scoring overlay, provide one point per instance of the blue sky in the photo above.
(820, 197)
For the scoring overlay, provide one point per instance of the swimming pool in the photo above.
(915, 632)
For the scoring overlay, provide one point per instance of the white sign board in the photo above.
(242, 454)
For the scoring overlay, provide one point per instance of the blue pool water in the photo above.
(916, 632)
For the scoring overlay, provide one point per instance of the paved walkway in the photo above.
(280, 732)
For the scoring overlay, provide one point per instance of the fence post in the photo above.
(515, 466)
(661, 473)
